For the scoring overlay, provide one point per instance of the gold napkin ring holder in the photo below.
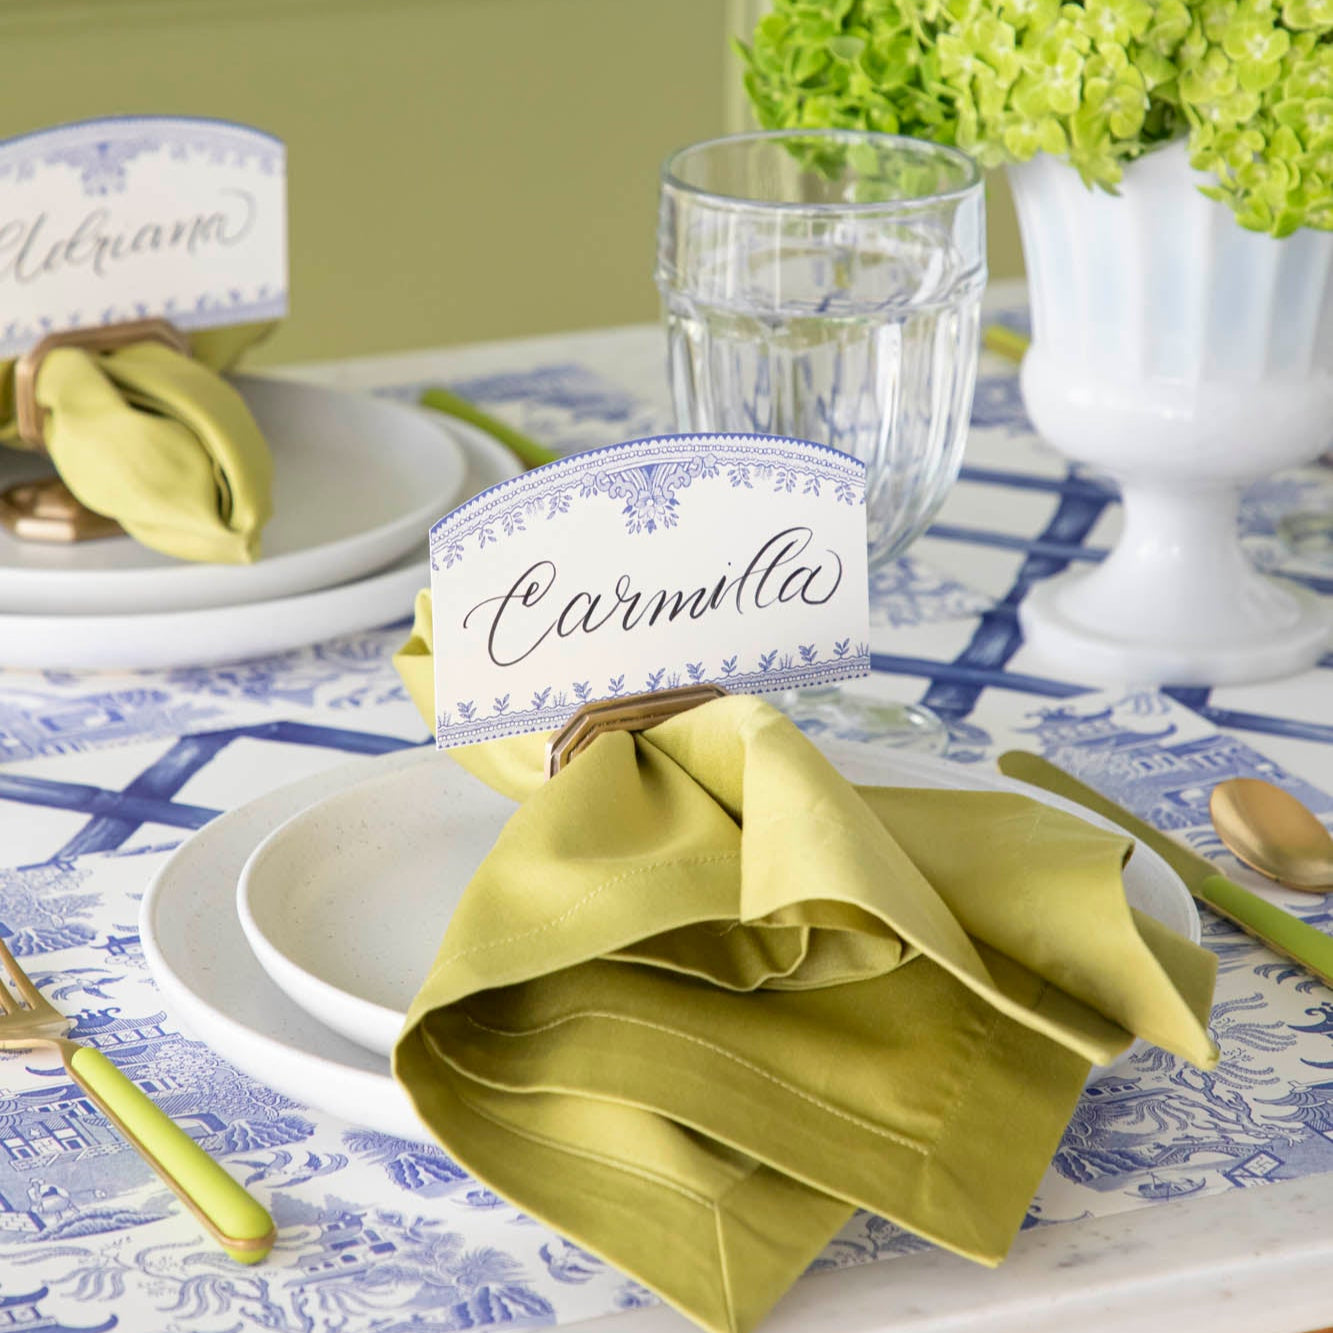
(630, 712)
(46, 511)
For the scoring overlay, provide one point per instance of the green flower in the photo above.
(1249, 84)
(1023, 139)
(1310, 119)
(991, 94)
(1308, 14)
(1257, 48)
(1116, 21)
(1311, 73)
(1236, 147)
(958, 58)
(1208, 79)
(1167, 29)
(1216, 16)
(994, 40)
(1155, 69)
(1237, 107)
(1055, 68)
(1029, 13)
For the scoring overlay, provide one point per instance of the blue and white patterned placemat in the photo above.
(100, 777)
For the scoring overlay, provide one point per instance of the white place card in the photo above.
(130, 217)
(735, 559)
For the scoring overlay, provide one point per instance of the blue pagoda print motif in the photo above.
(21, 1314)
(49, 1134)
(1162, 776)
(35, 723)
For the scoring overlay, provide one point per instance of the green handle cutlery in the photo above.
(526, 450)
(1278, 929)
(235, 1220)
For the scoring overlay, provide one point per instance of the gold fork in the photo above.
(236, 1221)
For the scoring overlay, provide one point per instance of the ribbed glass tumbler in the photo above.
(826, 285)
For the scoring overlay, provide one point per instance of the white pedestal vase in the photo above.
(1185, 357)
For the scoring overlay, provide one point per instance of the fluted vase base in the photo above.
(1289, 639)
(1185, 358)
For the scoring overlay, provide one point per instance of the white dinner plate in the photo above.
(167, 640)
(216, 989)
(357, 483)
(198, 953)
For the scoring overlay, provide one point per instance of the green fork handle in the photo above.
(238, 1223)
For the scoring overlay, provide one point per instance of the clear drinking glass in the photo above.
(826, 285)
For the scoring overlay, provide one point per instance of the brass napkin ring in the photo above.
(630, 712)
(45, 511)
(29, 415)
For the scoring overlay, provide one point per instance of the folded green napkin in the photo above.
(705, 997)
(159, 442)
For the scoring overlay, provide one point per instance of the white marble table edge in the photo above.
(1248, 1261)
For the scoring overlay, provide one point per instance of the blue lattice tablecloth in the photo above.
(101, 776)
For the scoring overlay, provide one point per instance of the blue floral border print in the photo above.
(99, 150)
(467, 723)
(648, 491)
(649, 488)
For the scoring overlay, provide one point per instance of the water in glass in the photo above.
(827, 286)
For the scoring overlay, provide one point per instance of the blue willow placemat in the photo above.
(100, 777)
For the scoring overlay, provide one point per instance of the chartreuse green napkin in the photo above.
(158, 441)
(704, 997)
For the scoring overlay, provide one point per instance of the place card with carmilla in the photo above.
(733, 559)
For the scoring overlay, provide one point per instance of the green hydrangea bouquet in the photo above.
(1248, 83)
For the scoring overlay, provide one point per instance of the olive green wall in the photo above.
(1006, 252)
(459, 169)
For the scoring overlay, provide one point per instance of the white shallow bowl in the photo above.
(357, 483)
(198, 952)
(163, 641)
(323, 897)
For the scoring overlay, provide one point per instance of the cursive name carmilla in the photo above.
(35, 247)
(517, 622)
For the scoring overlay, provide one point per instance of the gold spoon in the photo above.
(1273, 833)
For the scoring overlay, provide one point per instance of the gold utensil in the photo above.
(1273, 833)
(243, 1229)
(1282, 932)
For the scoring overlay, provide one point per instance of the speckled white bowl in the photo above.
(345, 904)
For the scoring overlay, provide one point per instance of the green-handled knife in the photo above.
(1007, 342)
(1278, 929)
(527, 451)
